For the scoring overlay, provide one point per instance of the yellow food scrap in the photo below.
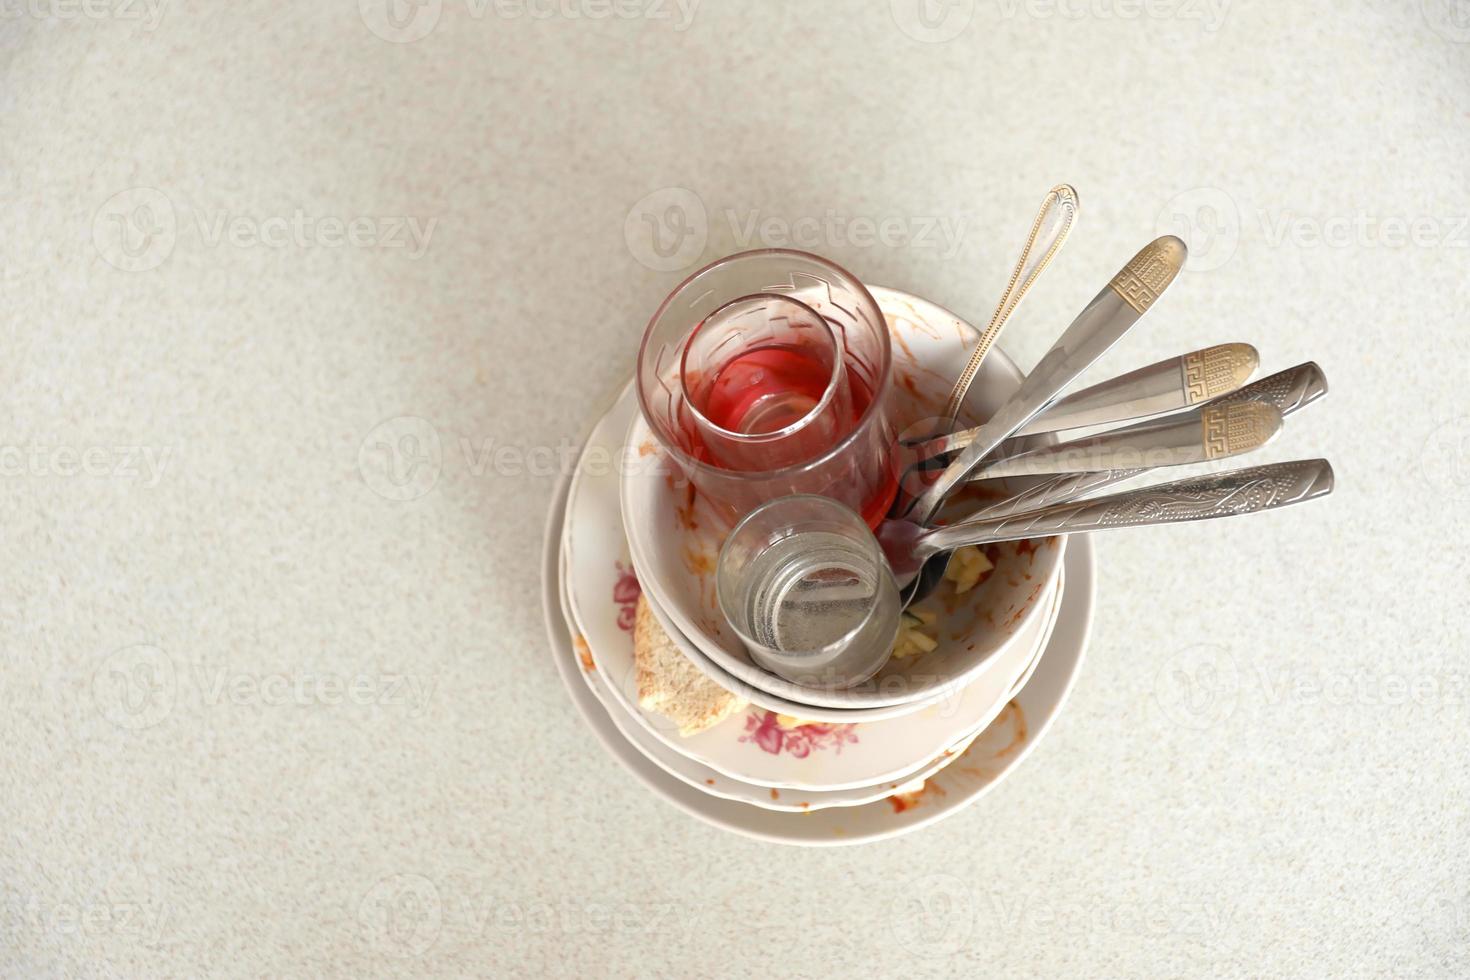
(912, 639)
(967, 566)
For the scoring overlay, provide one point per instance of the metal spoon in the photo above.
(1049, 231)
(1206, 433)
(1286, 391)
(1239, 492)
(1128, 296)
(1160, 388)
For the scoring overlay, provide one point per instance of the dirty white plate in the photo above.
(716, 783)
(989, 758)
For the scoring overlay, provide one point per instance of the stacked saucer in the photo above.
(796, 765)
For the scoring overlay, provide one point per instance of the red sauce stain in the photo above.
(698, 562)
(775, 795)
(684, 513)
(897, 336)
(646, 448)
(907, 801)
(709, 782)
(1013, 714)
(1020, 613)
(805, 806)
(584, 652)
(1016, 717)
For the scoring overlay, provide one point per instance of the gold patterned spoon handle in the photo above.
(1049, 233)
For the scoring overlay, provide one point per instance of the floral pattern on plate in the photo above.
(763, 728)
(626, 591)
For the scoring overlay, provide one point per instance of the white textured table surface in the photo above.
(241, 687)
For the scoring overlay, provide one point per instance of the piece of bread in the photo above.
(669, 684)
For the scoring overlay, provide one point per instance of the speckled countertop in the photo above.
(257, 661)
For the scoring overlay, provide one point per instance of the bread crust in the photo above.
(669, 684)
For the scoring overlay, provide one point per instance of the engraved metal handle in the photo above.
(1049, 233)
(1166, 386)
(1127, 297)
(1207, 433)
(1233, 494)
(1286, 391)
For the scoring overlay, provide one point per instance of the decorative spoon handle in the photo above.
(1048, 234)
(1286, 391)
(1203, 434)
(1157, 389)
(1232, 494)
(1126, 298)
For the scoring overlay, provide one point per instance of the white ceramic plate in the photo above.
(675, 536)
(752, 746)
(992, 756)
(715, 783)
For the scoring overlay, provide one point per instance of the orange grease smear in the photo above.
(907, 801)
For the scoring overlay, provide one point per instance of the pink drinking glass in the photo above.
(738, 470)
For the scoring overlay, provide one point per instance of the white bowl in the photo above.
(752, 746)
(675, 536)
(993, 755)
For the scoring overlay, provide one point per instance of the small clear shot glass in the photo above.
(805, 585)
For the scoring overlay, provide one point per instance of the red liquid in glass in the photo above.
(766, 389)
